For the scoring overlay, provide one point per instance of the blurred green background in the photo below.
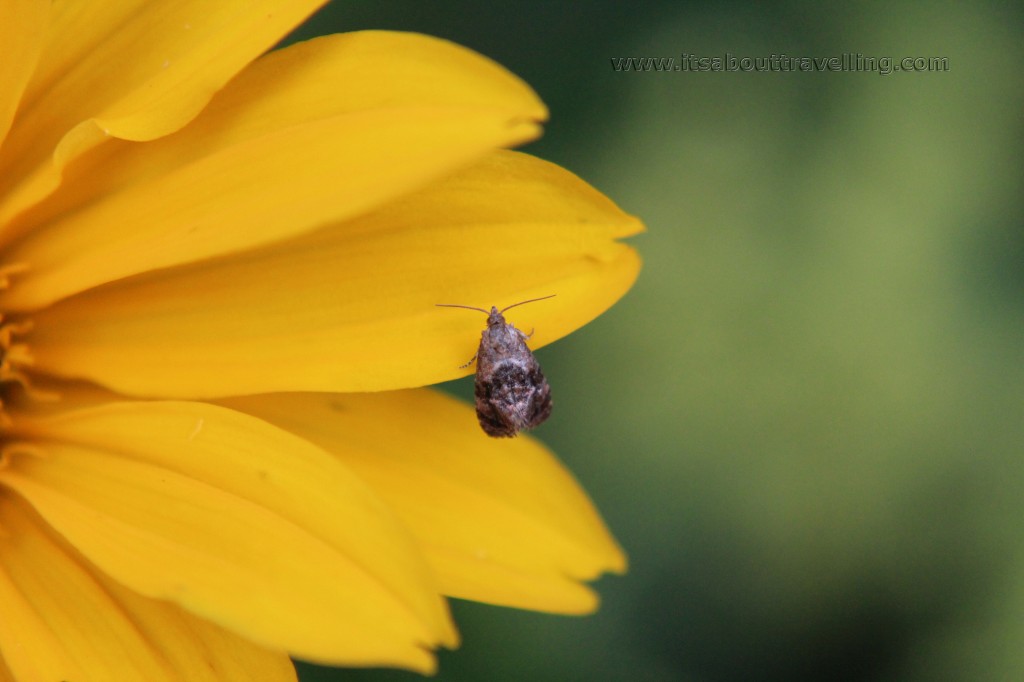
(805, 423)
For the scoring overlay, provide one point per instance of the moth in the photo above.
(511, 391)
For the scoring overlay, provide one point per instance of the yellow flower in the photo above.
(219, 270)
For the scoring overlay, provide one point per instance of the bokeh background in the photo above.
(805, 423)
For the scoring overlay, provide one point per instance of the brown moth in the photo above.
(511, 391)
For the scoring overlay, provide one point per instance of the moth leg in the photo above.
(526, 337)
(468, 363)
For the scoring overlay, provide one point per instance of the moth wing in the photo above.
(540, 404)
(489, 417)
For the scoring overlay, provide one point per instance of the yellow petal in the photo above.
(500, 521)
(22, 25)
(63, 620)
(352, 307)
(133, 69)
(379, 71)
(275, 155)
(240, 523)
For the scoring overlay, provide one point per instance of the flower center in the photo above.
(14, 354)
(14, 357)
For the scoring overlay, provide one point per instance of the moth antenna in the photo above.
(542, 298)
(467, 307)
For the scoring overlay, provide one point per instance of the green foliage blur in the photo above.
(805, 423)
